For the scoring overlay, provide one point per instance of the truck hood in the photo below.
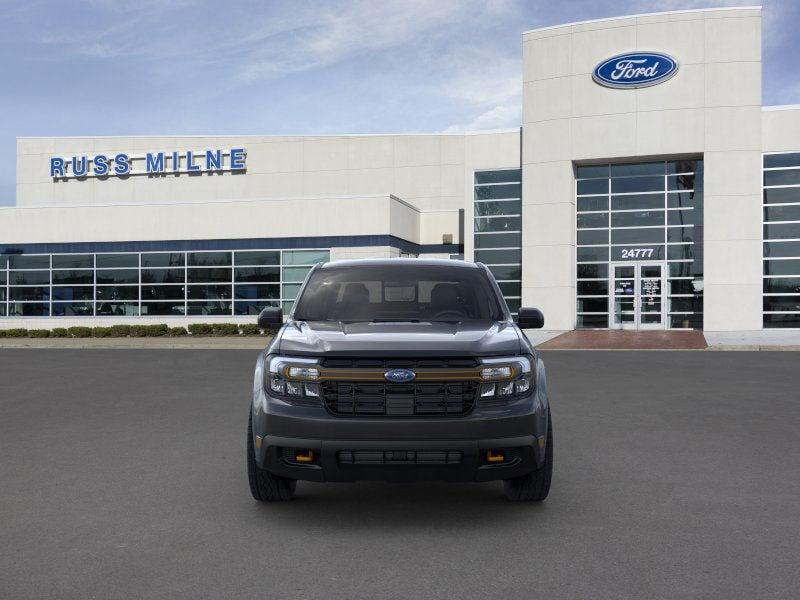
(473, 338)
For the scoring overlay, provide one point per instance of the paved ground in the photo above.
(617, 339)
(122, 476)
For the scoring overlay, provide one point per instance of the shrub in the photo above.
(16, 332)
(2, 333)
(249, 329)
(177, 331)
(120, 330)
(138, 330)
(224, 329)
(38, 333)
(59, 332)
(157, 330)
(80, 332)
(101, 332)
(200, 329)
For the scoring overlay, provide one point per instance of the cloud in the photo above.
(332, 34)
(497, 117)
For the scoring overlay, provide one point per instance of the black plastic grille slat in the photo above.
(399, 457)
(399, 399)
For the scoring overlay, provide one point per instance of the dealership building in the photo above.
(647, 187)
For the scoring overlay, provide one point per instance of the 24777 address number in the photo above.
(637, 252)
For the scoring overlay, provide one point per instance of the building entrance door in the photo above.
(637, 299)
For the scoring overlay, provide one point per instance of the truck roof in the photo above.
(388, 262)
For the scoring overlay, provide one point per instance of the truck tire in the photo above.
(265, 486)
(534, 486)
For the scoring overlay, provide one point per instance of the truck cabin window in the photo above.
(401, 293)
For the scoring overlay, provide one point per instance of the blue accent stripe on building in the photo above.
(235, 244)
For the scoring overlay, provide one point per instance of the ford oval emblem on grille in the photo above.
(400, 375)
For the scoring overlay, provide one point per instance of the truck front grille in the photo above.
(399, 399)
(355, 387)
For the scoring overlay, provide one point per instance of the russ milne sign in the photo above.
(151, 163)
(635, 70)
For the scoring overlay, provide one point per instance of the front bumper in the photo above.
(400, 449)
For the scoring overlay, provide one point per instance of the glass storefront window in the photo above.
(781, 248)
(640, 212)
(156, 283)
(496, 225)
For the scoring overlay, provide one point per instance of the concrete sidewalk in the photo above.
(766, 339)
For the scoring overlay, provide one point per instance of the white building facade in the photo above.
(647, 188)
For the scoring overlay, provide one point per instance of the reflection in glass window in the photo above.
(305, 257)
(73, 309)
(252, 307)
(119, 292)
(163, 292)
(497, 224)
(116, 261)
(209, 292)
(117, 309)
(295, 274)
(28, 309)
(208, 259)
(489, 209)
(71, 292)
(257, 257)
(257, 274)
(29, 294)
(592, 220)
(73, 261)
(162, 309)
(163, 259)
(257, 292)
(107, 276)
(219, 308)
(28, 261)
(151, 276)
(29, 278)
(208, 275)
(65, 277)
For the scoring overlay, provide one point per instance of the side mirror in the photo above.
(270, 318)
(530, 318)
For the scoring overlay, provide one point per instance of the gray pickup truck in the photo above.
(400, 370)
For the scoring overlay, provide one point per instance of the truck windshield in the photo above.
(401, 293)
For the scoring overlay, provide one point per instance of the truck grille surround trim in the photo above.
(448, 388)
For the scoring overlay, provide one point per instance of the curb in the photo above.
(204, 343)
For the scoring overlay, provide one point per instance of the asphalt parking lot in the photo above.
(122, 475)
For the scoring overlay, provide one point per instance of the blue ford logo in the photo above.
(400, 375)
(635, 70)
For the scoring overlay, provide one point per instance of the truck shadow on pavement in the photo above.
(400, 505)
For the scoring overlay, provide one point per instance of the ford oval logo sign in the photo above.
(400, 375)
(635, 70)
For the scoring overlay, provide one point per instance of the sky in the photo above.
(161, 67)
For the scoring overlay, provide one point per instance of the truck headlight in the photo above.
(292, 378)
(506, 377)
